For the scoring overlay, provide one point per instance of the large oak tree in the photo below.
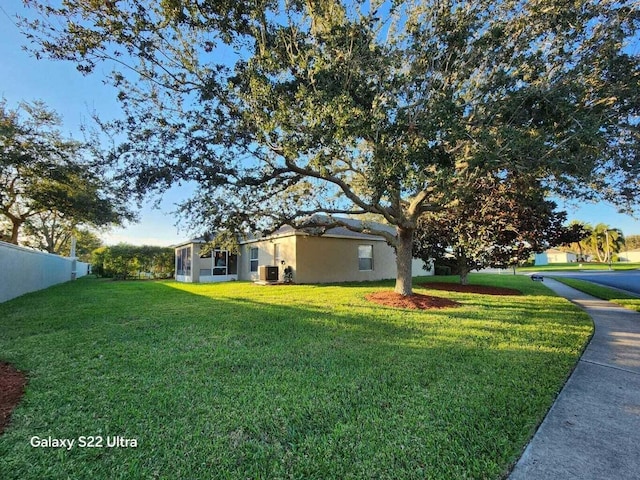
(281, 110)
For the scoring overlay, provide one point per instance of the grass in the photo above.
(611, 294)
(239, 381)
(579, 266)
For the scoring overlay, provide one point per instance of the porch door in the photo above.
(232, 266)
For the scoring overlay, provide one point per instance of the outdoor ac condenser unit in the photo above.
(268, 274)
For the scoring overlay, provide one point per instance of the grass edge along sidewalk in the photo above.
(239, 381)
(631, 302)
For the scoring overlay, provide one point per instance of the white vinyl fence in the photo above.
(23, 270)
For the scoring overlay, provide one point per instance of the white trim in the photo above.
(217, 278)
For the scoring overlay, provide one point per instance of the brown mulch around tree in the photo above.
(415, 301)
(482, 289)
(12, 384)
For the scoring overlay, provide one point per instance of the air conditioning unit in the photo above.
(268, 273)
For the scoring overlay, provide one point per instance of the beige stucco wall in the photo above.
(323, 259)
(266, 249)
(328, 259)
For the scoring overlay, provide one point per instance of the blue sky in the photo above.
(75, 96)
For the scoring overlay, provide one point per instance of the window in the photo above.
(365, 257)
(253, 260)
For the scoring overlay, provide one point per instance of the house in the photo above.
(632, 256)
(555, 256)
(339, 255)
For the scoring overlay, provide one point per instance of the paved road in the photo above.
(592, 431)
(626, 280)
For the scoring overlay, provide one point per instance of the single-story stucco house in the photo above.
(555, 256)
(339, 255)
(632, 256)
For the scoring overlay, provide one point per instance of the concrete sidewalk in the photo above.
(592, 431)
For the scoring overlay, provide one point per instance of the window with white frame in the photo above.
(253, 259)
(365, 257)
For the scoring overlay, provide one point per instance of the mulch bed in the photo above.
(425, 302)
(482, 289)
(12, 383)
(415, 301)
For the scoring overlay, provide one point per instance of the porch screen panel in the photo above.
(187, 261)
(233, 264)
(184, 261)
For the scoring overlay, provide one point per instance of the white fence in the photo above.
(23, 270)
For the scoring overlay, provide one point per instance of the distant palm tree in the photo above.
(605, 241)
(581, 233)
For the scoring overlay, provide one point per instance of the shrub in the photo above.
(130, 261)
(442, 270)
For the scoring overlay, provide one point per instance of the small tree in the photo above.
(494, 221)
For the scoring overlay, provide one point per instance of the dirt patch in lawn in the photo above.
(12, 384)
(482, 289)
(415, 301)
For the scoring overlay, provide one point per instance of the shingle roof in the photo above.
(340, 232)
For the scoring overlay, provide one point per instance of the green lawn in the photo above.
(605, 293)
(241, 381)
(580, 266)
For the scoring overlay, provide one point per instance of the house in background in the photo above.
(632, 256)
(555, 256)
(339, 255)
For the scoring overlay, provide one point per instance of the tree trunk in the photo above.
(15, 230)
(464, 277)
(463, 267)
(404, 258)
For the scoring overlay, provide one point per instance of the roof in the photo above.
(188, 242)
(335, 232)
